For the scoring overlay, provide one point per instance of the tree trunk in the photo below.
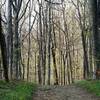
(3, 52)
(96, 34)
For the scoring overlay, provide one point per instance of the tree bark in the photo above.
(3, 52)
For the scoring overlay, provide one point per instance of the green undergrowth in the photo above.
(16, 90)
(92, 86)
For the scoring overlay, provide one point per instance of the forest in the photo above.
(49, 49)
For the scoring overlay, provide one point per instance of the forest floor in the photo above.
(71, 92)
(17, 90)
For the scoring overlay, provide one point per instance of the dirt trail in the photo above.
(63, 93)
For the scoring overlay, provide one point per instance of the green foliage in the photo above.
(16, 90)
(91, 85)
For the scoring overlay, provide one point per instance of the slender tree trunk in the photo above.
(49, 45)
(35, 67)
(10, 39)
(16, 47)
(29, 43)
(40, 57)
(55, 67)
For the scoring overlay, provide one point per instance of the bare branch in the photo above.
(31, 27)
(24, 11)
(54, 3)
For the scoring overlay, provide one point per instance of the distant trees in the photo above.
(50, 42)
(58, 31)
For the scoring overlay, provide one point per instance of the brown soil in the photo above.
(63, 93)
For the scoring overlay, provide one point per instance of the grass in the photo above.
(16, 90)
(92, 86)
